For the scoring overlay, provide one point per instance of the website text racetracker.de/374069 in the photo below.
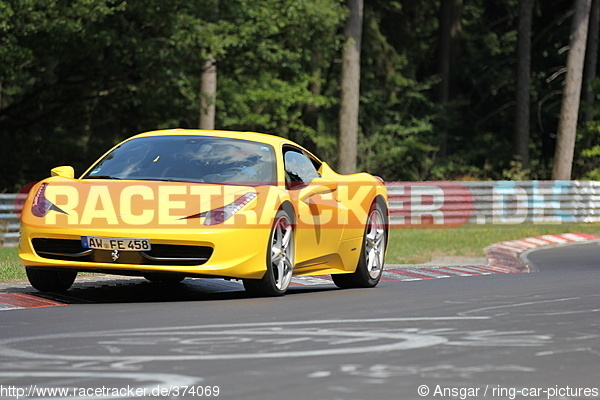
(35, 391)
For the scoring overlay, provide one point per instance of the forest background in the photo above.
(438, 81)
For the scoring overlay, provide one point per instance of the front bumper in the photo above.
(211, 251)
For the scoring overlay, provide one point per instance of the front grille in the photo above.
(161, 254)
(173, 254)
(182, 251)
(57, 246)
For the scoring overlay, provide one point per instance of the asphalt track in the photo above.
(496, 336)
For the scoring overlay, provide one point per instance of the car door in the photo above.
(320, 219)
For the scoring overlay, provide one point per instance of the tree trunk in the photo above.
(448, 54)
(521, 138)
(567, 125)
(208, 94)
(310, 114)
(350, 88)
(449, 35)
(591, 60)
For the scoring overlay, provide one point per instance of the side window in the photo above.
(299, 169)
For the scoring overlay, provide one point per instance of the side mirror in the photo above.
(317, 186)
(326, 170)
(64, 171)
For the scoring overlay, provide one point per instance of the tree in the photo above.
(448, 55)
(521, 135)
(350, 88)
(78, 76)
(208, 94)
(398, 114)
(567, 127)
(449, 45)
(591, 60)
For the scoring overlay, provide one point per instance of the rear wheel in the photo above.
(280, 260)
(50, 280)
(371, 262)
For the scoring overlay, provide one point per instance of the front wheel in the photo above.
(280, 260)
(371, 261)
(50, 280)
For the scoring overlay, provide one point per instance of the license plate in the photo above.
(106, 243)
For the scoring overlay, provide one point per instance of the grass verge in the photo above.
(407, 246)
(10, 266)
(414, 246)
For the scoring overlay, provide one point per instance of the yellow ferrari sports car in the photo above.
(179, 203)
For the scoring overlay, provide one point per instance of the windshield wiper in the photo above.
(101, 177)
(180, 180)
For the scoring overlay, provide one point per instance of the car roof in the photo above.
(254, 136)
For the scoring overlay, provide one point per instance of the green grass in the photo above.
(407, 246)
(10, 266)
(414, 246)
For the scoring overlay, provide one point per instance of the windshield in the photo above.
(188, 159)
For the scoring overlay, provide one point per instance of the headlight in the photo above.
(41, 205)
(222, 214)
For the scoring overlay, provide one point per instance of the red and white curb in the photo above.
(507, 254)
(413, 274)
(503, 258)
(17, 301)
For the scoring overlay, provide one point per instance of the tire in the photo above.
(164, 278)
(371, 262)
(50, 280)
(280, 260)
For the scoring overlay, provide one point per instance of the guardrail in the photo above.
(495, 202)
(9, 219)
(445, 204)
